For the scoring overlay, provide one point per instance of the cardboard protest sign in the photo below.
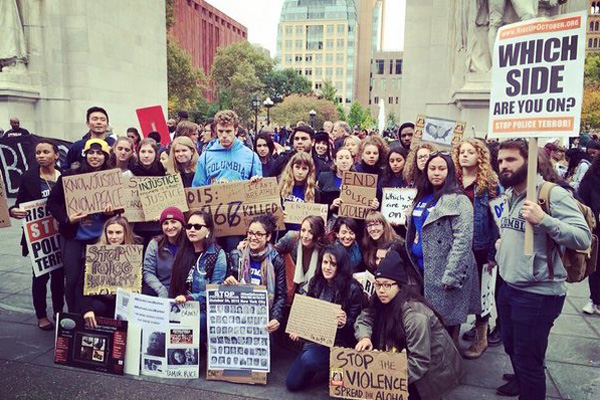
(537, 77)
(101, 349)
(295, 212)
(313, 319)
(93, 192)
(152, 119)
(234, 204)
(396, 202)
(4, 214)
(488, 290)
(367, 281)
(110, 267)
(160, 192)
(170, 334)
(367, 374)
(134, 212)
(238, 342)
(357, 192)
(43, 240)
(498, 207)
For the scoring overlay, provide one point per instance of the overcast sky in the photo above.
(262, 16)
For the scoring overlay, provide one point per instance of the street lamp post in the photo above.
(256, 106)
(312, 114)
(268, 103)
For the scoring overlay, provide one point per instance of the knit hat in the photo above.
(392, 267)
(97, 143)
(172, 213)
(322, 137)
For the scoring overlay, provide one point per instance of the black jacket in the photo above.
(155, 170)
(75, 153)
(327, 187)
(280, 163)
(590, 194)
(58, 208)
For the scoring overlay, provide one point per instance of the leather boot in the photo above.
(480, 344)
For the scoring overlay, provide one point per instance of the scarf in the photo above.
(354, 254)
(267, 271)
(301, 279)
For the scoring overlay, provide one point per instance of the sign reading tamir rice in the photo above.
(537, 77)
(357, 192)
(234, 204)
(110, 267)
(93, 192)
(373, 375)
(158, 193)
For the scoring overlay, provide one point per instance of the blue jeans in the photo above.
(312, 359)
(526, 319)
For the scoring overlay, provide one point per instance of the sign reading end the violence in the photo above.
(93, 192)
(234, 204)
(537, 78)
(43, 239)
(373, 375)
(357, 192)
(112, 267)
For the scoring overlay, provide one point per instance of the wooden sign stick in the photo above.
(532, 162)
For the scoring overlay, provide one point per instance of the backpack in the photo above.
(578, 263)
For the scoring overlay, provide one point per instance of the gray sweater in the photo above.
(565, 225)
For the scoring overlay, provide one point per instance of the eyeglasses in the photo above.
(258, 235)
(384, 286)
(195, 226)
(374, 224)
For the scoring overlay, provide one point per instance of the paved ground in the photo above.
(27, 370)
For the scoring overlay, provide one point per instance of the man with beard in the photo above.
(531, 298)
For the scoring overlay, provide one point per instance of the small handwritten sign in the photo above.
(357, 192)
(93, 192)
(295, 212)
(158, 193)
(110, 267)
(396, 202)
(314, 320)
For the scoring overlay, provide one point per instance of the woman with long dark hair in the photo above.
(579, 163)
(333, 283)
(346, 230)
(439, 241)
(399, 318)
(265, 148)
(199, 262)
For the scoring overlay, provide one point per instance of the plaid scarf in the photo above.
(267, 270)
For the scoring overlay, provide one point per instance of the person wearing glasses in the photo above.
(415, 163)
(199, 262)
(439, 240)
(398, 318)
(260, 264)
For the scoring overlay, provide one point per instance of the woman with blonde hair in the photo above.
(415, 162)
(352, 143)
(372, 152)
(117, 230)
(480, 183)
(378, 231)
(183, 158)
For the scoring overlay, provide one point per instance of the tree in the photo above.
(590, 107)
(185, 82)
(282, 83)
(295, 108)
(328, 91)
(359, 117)
(341, 112)
(392, 120)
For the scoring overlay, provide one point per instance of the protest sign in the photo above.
(110, 267)
(234, 204)
(313, 319)
(396, 202)
(93, 192)
(43, 239)
(368, 374)
(295, 212)
(498, 207)
(101, 349)
(152, 119)
(357, 192)
(160, 192)
(170, 333)
(238, 342)
(537, 77)
(488, 290)
(134, 211)
(366, 280)
(4, 214)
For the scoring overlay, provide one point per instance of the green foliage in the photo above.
(295, 108)
(359, 117)
(392, 120)
(590, 108)
(341, 112)
(282, 83)
(328, 91)
(169, 13)
(592, 69)
(185, 82)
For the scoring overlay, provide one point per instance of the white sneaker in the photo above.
(589, 308)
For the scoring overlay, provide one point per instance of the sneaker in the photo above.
(495, 338)
(590, 308)
(510, 389)
(469, 335)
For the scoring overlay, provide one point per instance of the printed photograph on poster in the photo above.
(182, 357)
(154, 343)
(153, 365)
(438, 130)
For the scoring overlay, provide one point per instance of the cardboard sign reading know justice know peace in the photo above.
(93, 192)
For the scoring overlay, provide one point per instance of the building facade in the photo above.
(370, 36)
(593, 29)
(318, 39)
(201, 29)
(385, 82)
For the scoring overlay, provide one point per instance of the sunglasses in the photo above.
(439, 153)
(195, 226)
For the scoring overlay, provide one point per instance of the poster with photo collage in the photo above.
(170, 333)
(237, 317)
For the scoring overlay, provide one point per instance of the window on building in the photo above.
(319, 58)
(339, 86)
(339, 58)
(339, 99)
(339, 72)
(376, 100)
(398, 67)
(308, 72)
(396, 99)
(391, 67)
(330, 29)
(328, 58)
(596, 25)
(379, 64)
(382, 83)
(318, 72)
(318, 86)
(298, 30)
(288, 44)
(299, 71)
(328, 73)
(288, 30)
(298, 44)
(329, 44)
(288, 58)
(390, 100)
(595, 43)
(314, 37)
(340, 43)
(298, 58)
(348, 100)
(308, 58)
(340, 29)
(591, 25)
(590, 43)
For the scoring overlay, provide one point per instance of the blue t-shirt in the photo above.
(338, 181)
(419, 215)
(90, 228)
(255, 275)
(46, 187)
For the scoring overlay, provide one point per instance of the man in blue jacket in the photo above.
(97, 122)
(226, 159)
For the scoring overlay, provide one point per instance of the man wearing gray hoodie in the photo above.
(531, 299)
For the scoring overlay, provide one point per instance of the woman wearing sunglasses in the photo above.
(439, 238)
(260, 264)
(199, 262)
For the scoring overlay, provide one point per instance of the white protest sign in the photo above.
(537, 77)
(498, 207)
(43, 240)
(488, 290)
(395, 203)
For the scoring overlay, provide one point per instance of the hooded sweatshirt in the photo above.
(565, 225)
(220, 165)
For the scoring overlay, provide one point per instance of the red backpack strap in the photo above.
(544, 202)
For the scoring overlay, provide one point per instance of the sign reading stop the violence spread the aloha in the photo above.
(537, 78)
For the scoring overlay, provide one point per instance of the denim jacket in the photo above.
(198, 278)
(485, 231)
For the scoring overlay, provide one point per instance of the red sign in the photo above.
(153, 119)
